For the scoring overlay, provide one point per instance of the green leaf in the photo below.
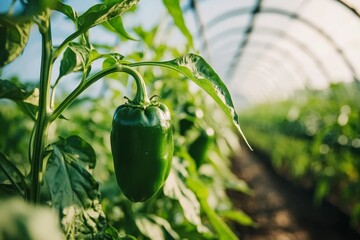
(116, 25)
(176, 189)
(93, 55)
(231, 180)
(174, 8)
(110, 62)
(27, 100)
(74, 148)
(165, 224)
(103, 12)
(153, 227)
(200, 72)
(8, 171)
(74, 59)
(239, 217)
(223, 231)
(66, 10)
(147, 36)
(111, 233)
(78, 57)
(11, 91)
(14, 37)
(149, 228)
(236, 184)
(28, 108)
(75, 194)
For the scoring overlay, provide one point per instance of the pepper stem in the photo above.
(141, 96)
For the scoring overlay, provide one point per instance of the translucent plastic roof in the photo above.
(267, 49)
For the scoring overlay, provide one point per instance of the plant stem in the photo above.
(79, 89)
(42, 124)
(141, 96)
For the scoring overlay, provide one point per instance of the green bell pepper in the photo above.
(142, 145)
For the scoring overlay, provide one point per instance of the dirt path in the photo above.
(282, 210)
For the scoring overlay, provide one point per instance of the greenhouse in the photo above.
(169, 119)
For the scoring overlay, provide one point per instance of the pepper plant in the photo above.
(59, 172)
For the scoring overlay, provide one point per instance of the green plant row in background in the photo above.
(314, 139)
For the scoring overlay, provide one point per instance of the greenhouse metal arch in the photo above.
(212, 28)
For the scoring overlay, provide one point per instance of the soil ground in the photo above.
(282, 210)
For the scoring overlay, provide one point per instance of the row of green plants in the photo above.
(63, 149)
(314, 140)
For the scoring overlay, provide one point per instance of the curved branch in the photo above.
(79, 89)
